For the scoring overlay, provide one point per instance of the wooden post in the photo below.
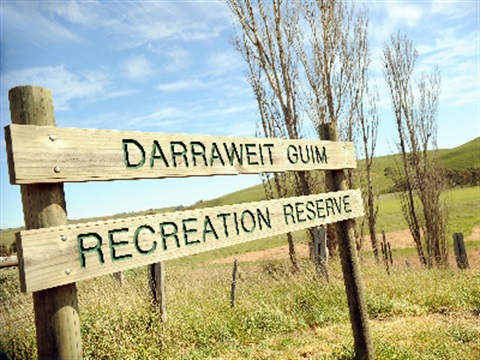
(352, 277)
(385, 252)
(460, 252)
(156, 280)
(320, 251)
(234, 283)
(56, 310)
(119, 277)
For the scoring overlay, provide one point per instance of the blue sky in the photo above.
(168, 66)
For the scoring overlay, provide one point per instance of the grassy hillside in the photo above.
(462, 157)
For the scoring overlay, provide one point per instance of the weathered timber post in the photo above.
(56, 309)
(156, 280)
(234, 283)
(320, 251)
(119, 277)
(350, 265)
(460, 251)
(385, 247)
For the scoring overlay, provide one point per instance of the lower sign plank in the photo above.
(61, 255)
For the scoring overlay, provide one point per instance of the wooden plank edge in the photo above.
(10, 160)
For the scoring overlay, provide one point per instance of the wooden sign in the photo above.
(45, 154)
(61, 255)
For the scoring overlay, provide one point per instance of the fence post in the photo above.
(119, 277)
(56, 310)
(320, 251)
(234, 283)
(156, 280)
(460, 251)
(386, 252)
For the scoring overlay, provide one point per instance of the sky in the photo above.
(169, 66)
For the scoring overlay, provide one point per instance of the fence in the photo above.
(53, 255)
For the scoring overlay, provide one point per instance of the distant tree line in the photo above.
(453, 178)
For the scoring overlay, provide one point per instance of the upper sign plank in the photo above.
(43, 154)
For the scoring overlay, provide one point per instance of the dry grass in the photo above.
(415, 314)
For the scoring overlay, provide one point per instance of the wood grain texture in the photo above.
(50, 154)
(57, 319)
(61, 255)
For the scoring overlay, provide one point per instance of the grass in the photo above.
(278, 315)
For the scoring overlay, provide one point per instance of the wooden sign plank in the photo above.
(42, 154)
(61, 255)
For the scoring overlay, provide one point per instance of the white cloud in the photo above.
(64, 84)
(454, 9)
(138, 68)
(142, 22)
(389, 16)
(225, 61)
(75, 12)
(28, 18)
(182, 85)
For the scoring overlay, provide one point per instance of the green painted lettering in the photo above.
(252, 220)
(269, 148)
(299, 210)
(208, 228)
(320, 208)
(288, 211)
(321, 156)
(303, 150)
(187, 231)
(196, 153)
(215, 155)
(137, 245)
(292, 154)
(266, 219)
(310, 210)
(82, 249)
(346, 203)
(225, 227)
(157, 153)
(338, 204)
(251, 153)
(113, 244)
(182, 153)
(172, 233)
(235, 220)
(329, 206)
(232, 153)
(126, 153)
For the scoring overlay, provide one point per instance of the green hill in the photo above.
(462, 157)
(466, 156)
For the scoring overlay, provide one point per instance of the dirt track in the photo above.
(397, 239)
